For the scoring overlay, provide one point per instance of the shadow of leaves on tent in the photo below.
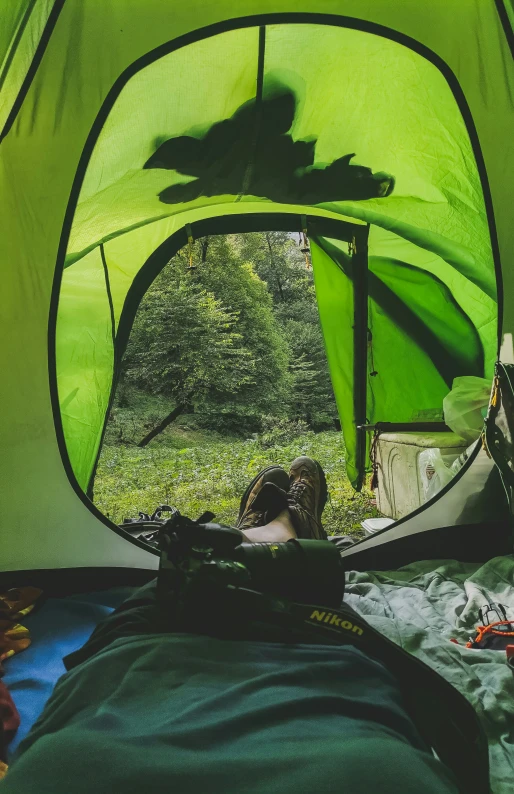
(253, 153)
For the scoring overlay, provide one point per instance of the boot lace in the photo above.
(296, 490)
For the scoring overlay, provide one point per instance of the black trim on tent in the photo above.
(109, 296)
(34, 66)
(178, 43)
(114, 372)
(250, 167)
(505, 21)
(477, 543)
(360, 351)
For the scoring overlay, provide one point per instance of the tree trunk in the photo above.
(277, 279)
(179, 409)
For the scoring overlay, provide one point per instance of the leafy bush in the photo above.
(230, 418)
(277, 431)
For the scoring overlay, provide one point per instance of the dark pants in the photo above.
(139, 614)
(143, 614)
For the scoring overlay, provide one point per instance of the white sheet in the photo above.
(422, 607)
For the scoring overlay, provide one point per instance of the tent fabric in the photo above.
(209, 150)
(23, 28)
(98, 94)
(419, 338)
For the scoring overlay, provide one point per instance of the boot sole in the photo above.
(257, 477)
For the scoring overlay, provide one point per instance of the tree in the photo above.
(184, 345)
(225, 274)
(208, 340)
(235, 339)
(311, 395)
(278, 260)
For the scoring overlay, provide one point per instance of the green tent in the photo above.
(382, 129)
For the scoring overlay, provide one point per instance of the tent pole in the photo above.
(358, 249)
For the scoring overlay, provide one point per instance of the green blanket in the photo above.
(423, 607)
(182, 713)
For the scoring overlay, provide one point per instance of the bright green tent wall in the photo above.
(356, 92)
(53, 108)
(419, 339)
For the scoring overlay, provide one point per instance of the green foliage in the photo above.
(225, 274)
(209, 338)
(184, 345)
(238, 340)
(196, 471)
(235, 339)
(278, 261)
(311, 397)
(278, 431)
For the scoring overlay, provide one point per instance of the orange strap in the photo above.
(481, 630)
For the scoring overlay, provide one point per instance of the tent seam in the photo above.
(34, 66)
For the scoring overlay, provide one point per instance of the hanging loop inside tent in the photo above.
(190, 241)
(304, 243)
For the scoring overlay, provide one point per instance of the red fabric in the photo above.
(9, 719)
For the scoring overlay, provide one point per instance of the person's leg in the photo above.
(264, 499)
(265, 516)
(139, 614)
(277, 507)
(279, 530)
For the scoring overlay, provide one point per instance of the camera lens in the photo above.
(307, 571)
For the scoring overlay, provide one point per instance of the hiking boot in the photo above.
(307, 497)
(264, 499)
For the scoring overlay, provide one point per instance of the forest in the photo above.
(225, 372)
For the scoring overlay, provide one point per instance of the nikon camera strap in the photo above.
(446, 721)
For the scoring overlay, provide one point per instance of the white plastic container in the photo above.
(400, 487)
(372, 525)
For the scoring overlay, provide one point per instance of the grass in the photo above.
(201, 470)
